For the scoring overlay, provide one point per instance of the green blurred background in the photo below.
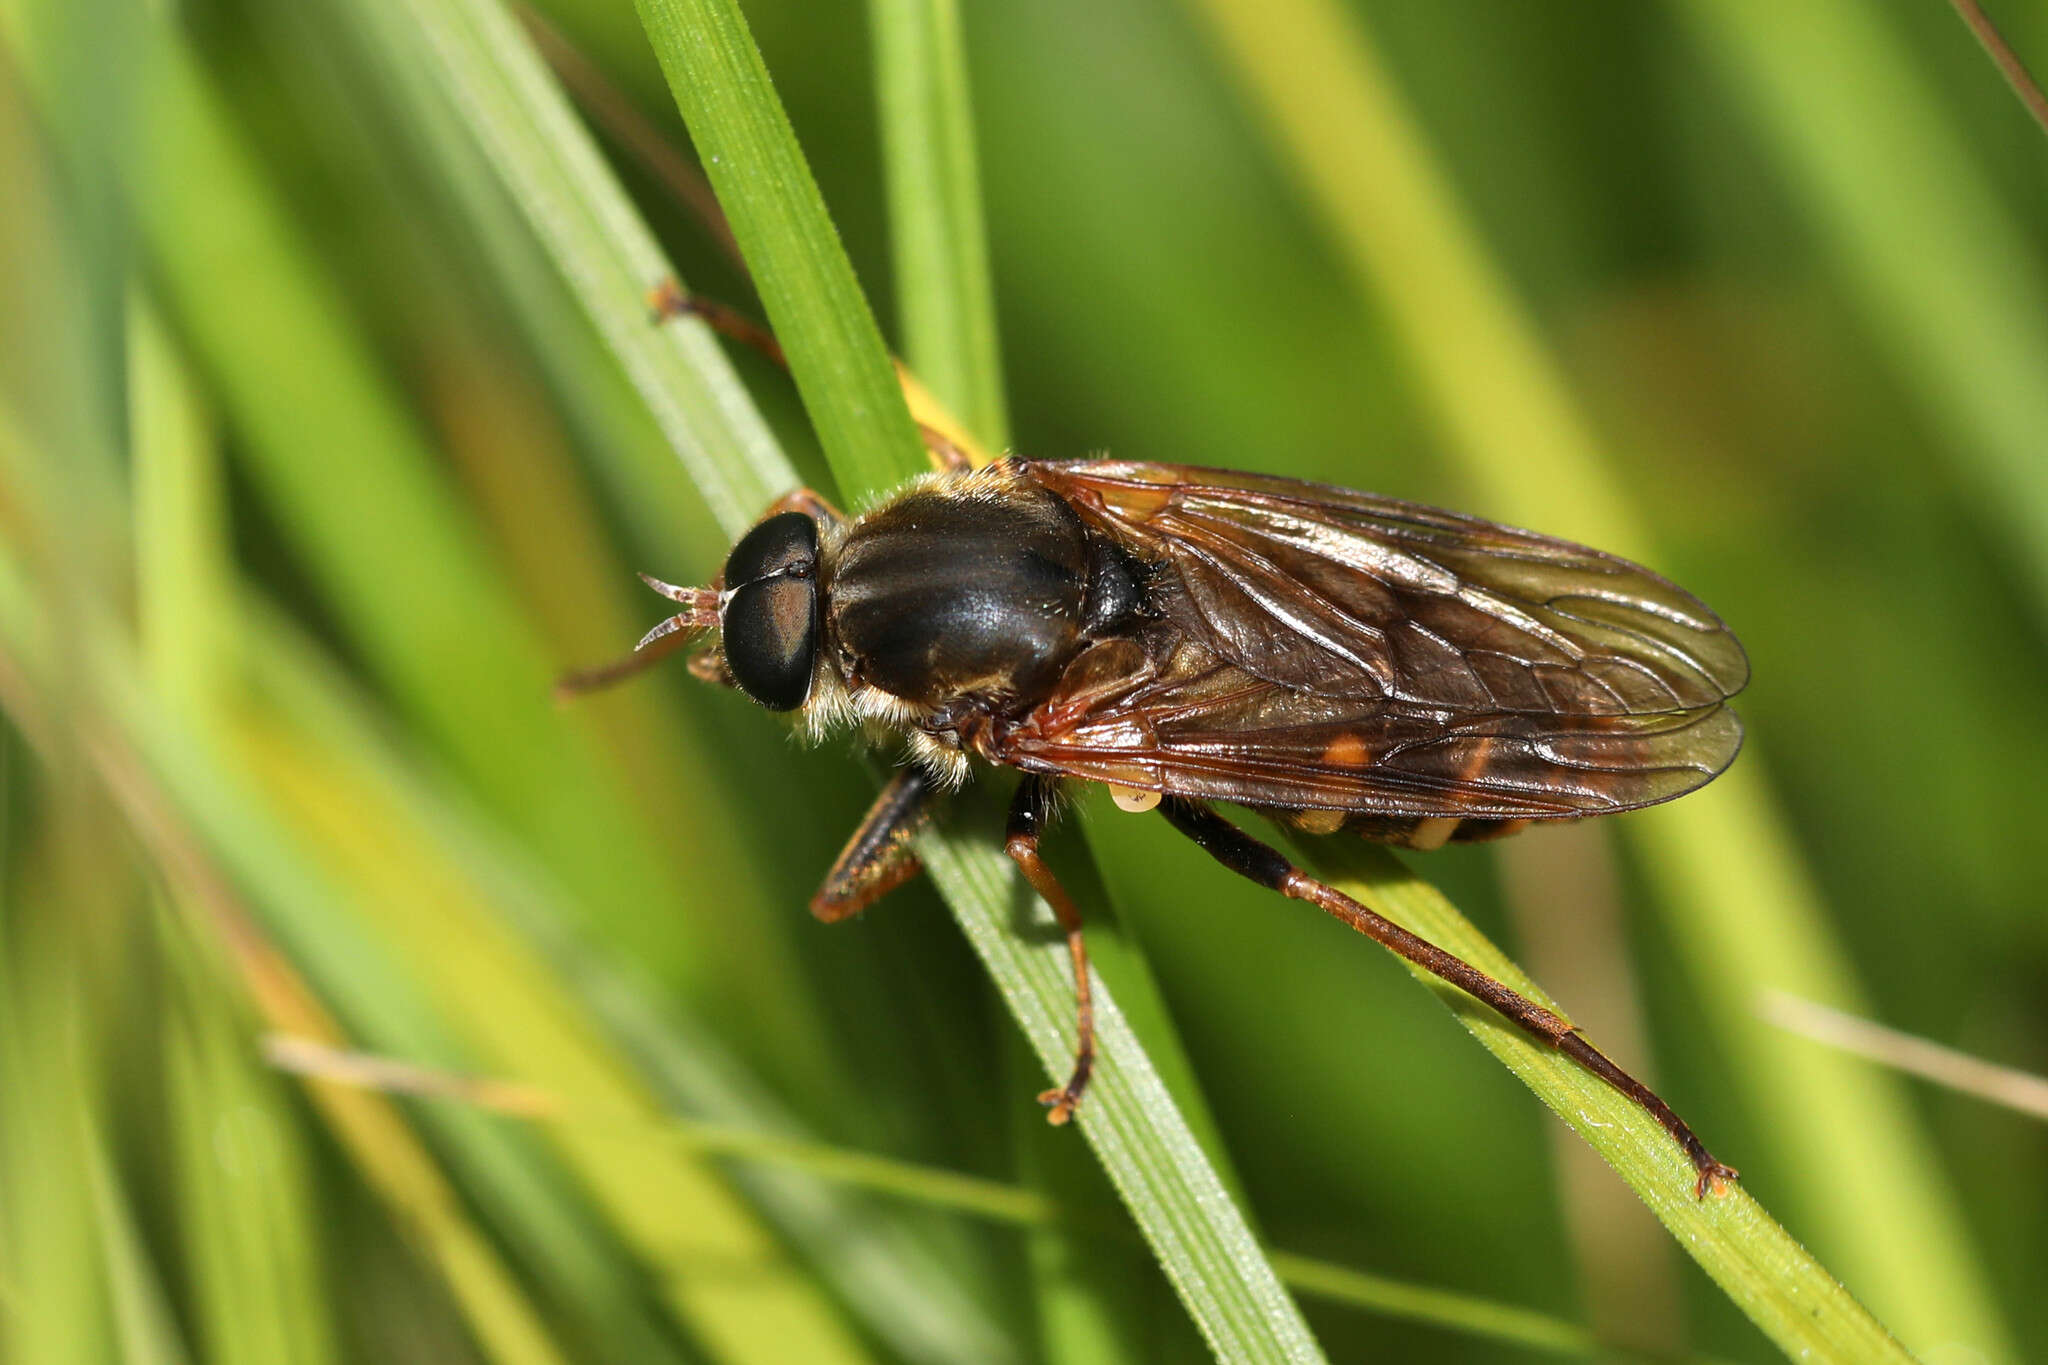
(314, 476)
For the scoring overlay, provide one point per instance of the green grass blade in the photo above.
(180, 522)
(814, 302)
(911, 1304)
(944, 296)
(1159, 1168)
(1147, 1150)
(505, 1004)
(1770, 1276)
(816, 307)
(251, 1243)
(1516, 430)
(598, 240)
(354, 483)
(141, 1313)
(946, 299)
(248, 1236)
(1953, 286)
(59, 1301)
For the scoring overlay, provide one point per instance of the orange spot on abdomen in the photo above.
(1346, 751)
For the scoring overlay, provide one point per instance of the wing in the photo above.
(1322, 648)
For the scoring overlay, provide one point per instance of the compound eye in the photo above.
(771, 639)
(786, 543)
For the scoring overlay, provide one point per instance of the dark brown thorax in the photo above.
(945, 593)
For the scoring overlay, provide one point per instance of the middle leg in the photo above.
(1028, 813)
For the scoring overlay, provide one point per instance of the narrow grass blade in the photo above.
(1089, 1297)
(974, 1196)
(142, 1318)
(247, 1217)
(816, 307)
(1953, 286)
(944, 295)
(249, 1240)
(1770, 1276)
(814, 303)
(1738, 901)
(880, 1273)
(180, 522)
(60, 1304)
(2021, 1091)
(352, 480)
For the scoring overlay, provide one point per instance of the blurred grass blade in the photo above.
(263, 857)
(1952, 286)
(245, 1202)
(880, 1273)
(183, 577)
(506, 1005)
(599, 242)
(2017, 78)
(745, 141)
(250, 1239)
(944, 296)
(1770, 1276)
(356, 487)
(726, 1310)
(142, 1318)
(391, 1157)
(2007, 1086)
(58, 1299)
(858, 409)
(814, 303)
(1339, 126)
(1740, 906)
(974, 1196)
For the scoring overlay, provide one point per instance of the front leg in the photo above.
(951, 449)
(812, 504)
(878, 858)
(1028, 813)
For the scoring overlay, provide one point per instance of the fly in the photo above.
(1184, 636)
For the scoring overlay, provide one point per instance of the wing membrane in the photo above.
(1325, 648)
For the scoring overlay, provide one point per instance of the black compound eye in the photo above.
(786, 543)
(771, 639)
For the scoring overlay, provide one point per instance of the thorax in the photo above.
(968, 589)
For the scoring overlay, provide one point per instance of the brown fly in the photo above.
(1186, 636)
